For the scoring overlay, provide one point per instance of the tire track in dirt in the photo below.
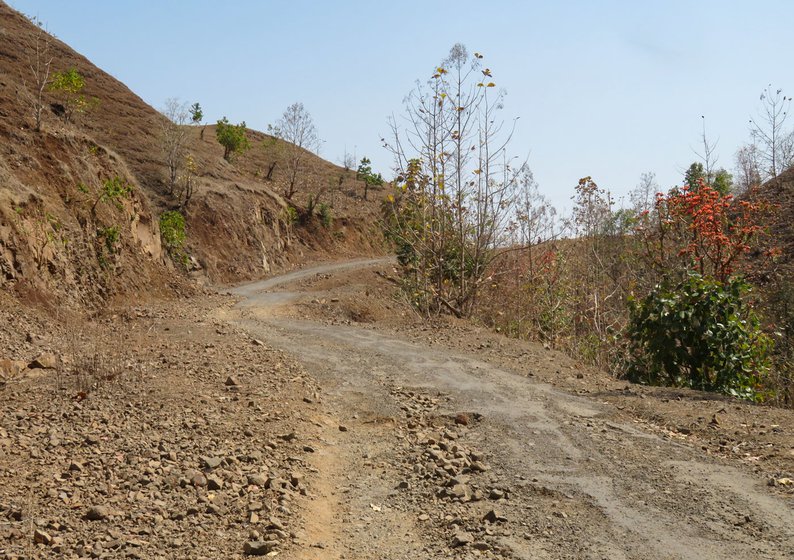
(581, 486)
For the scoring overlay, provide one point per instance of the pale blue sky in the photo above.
(608, 89)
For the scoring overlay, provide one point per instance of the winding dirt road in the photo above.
(428, 453)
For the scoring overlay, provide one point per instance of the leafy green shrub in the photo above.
(111, 190)
(111, 235)
(291, 215)
(326, 217)
(701, 334)
(172, 230)
(69, 85)
(232, 137)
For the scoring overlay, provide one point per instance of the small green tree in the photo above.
(69, 84)
(365, 174)
(196, 117)
(232, 137)
(694, 175)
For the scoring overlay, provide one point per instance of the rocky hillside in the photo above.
(80, 201)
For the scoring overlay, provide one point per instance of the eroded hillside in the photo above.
(80, 200)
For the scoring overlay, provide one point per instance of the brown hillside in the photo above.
(52, 244)
(780, 191)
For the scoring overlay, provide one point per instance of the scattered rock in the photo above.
(461, 538)
(211, 462)
(494, 516)
(46, 360)
(97, 513)
(40, 537)
(259, 548)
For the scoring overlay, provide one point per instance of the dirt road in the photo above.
(425, 452)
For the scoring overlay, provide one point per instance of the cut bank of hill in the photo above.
(63, 239)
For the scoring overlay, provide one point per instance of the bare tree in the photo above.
(708, 154)
(174, 139)
(748, 168)
(296, 127)
(644, 194)
(39, 63)
(775, 144)
(459, 187)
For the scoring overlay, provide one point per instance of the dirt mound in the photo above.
(63, 237)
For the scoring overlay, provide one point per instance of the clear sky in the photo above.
(610, 89)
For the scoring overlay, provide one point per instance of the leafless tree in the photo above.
(748, 168)
(297, 128)
(39, 63)
(174, 139)
(644, 194)
(775, 143)
(460, 186)
(707, 154)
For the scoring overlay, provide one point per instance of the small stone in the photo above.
(46, 360)
(257, 480)
(462, 538)
(496, 494)
(342, 428)
(97, 513)
(404, 485)
(214, 483)
(258, 342)
(40, 537)
(198, 479)
(494, 516)
(211, 462)
(259, 548)
(481, 545)
(231, 382)
(423, 517)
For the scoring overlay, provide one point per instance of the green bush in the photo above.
(111, 235)
(172, 230)
(291, 215)
(701, 334)
(326, 217)
(232, 137)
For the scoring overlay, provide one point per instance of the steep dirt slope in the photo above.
(56, 238)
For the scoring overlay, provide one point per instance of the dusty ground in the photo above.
(351, 430)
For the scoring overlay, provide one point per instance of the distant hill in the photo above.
(58, 242)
